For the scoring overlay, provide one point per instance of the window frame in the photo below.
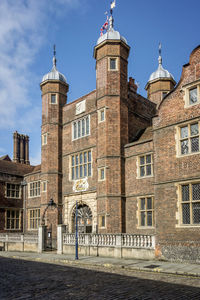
(44, 184)
(53, 94)
(100, 169)
(11, 190)
(139, 165)
(101, 225)
(186, 89)
(116, 63)
(13, 218)
(33, 219)
(44, 138)
(77, 126)
(79, 165)
(33, 189)
(146, 210)
(100, 120)
(190, 202)
(188, 138)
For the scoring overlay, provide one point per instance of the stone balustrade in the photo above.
(18, 242)
(111, 240)
(114, 245)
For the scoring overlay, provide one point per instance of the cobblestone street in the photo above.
(20, 279)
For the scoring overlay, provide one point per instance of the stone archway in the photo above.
(84, 219)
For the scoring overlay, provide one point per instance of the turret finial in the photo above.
(160, 51)
(111, 19)
(54, 56)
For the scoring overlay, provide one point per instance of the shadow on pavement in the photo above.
(20, 279)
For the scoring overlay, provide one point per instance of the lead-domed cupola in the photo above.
(111, 34)
(160, 83)
(54, 74)
(160, 72)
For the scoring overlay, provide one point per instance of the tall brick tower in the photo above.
(160, 83)
(54, 96)
(111, 54)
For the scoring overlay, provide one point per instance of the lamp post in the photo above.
(76, 233)
(24, 184)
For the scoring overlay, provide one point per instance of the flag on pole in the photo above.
(105, 26)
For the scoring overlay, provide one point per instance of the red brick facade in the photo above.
(120, 157)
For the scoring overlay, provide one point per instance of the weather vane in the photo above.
(54, 56)
(104, 28)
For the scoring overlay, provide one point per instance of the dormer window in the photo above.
(192, 94)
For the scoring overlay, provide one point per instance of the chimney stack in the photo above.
(20, 148)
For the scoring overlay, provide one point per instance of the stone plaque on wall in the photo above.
(80, 185)
(80, 107)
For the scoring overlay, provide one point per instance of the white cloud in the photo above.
(23, 24)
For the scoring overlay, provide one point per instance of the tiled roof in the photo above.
(5, 157)
(13, 168)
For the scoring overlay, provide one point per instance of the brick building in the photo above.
(130, 164)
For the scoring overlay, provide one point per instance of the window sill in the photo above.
(188, 154)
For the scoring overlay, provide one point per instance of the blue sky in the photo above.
(29, 28)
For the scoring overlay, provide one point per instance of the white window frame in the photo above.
(35, 188)
(100, 120)
(179, 139)
(13, 189)
(116, 64)
(53, 94)
(44, 139)
(78, 169)
(186, 89)
(100, 170)
(80, 125)
(139, 165)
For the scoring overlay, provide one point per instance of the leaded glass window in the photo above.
(189, 138)
(190, 203)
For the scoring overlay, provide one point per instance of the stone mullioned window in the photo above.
(34, 189)
(81, 128)
(145, 166)
(146, 211)
(13, 218)
(81, 165)
(190, 203)
(189, 138)
(12, 190)
(34, 218)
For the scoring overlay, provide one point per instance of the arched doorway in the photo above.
(84, 219)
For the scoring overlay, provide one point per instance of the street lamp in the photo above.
(51, 203)
(24, 184)
(76, 234)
